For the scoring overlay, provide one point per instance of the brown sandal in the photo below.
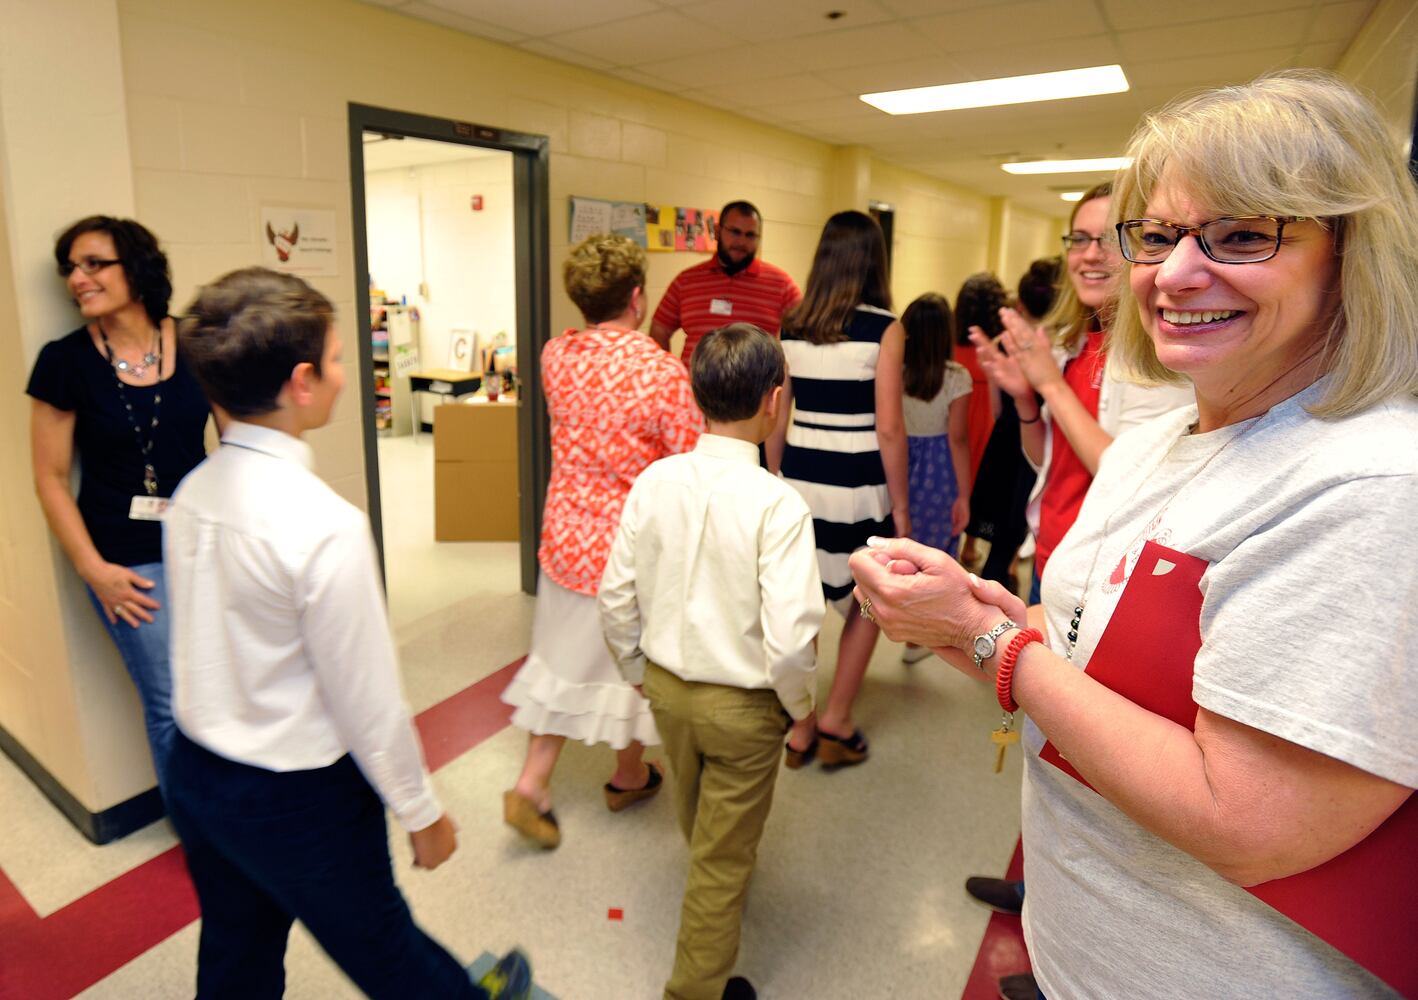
(842, 751)
(623, 798)
(522, 814)
(794, 759)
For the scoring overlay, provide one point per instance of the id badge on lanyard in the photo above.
(145, 508)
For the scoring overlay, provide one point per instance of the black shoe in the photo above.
(510, 978)
(739, 988)
(1019, 987)
(1001, 894)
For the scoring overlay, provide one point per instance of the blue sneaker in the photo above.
(510, 978)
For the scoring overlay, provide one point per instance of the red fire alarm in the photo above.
(477, 203)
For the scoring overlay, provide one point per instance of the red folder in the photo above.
(1363, 902)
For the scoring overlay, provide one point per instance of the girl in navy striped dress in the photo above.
(844, 446)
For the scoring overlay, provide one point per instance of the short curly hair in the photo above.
(144, 264)
(600, 274)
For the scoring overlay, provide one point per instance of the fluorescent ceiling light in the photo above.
(1096, 165)
(1006, 90)
(1071, 195)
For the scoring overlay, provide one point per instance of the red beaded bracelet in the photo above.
(1004, 677)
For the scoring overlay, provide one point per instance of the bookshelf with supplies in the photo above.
(394, 332)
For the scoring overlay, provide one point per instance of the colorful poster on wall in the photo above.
(696, 229)
(660, 228)
(299, 240)
(590, 216)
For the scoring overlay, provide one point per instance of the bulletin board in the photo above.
(659, 228)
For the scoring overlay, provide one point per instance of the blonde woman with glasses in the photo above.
(1222, 742)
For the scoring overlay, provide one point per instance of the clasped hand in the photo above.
(921, 595)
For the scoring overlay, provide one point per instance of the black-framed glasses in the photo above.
(89, 265)
(1234, 240)
(1079, 240)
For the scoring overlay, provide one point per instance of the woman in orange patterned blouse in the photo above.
(617, 403)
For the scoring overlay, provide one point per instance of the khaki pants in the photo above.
(723, 745)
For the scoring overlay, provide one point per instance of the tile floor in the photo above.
(858, 890)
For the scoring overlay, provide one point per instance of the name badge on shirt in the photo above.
(147, 508)
(721, 307)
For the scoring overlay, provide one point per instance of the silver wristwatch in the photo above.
(984, 645)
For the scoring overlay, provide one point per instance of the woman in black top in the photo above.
(115, 392)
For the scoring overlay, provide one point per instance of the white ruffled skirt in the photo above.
(569, 686)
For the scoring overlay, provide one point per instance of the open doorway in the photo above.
(451, 247)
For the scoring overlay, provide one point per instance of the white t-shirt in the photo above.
(1308, 529)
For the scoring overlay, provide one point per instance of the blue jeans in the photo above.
(145, 653)
(267, 848)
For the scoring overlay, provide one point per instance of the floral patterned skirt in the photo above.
(933, 490)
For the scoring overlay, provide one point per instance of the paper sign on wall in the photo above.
(299, 240)
(590, 216)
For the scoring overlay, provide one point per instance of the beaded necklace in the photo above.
(145, 448)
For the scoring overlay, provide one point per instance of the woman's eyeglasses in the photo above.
(1079, 240)
(89, 265)
(1243, 240)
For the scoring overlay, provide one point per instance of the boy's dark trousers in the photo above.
(723, 745)
(266, 848)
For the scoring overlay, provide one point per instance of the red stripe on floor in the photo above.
(74, 947)
(458, 723)
(1002, 951)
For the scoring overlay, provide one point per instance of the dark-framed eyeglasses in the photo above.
(1079, 240)
(89, 265)
(1246, 239)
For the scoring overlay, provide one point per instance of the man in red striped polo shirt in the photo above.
(733, 286)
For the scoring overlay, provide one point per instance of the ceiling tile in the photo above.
(1128, 15)
(624, 42)
(1038, 57)
(830, 107)
(926, 8)
(800, 87)
(448, 19)
(1206, 71)
(552, 51)
(685, 74)
(1233, 34)
(1017, 23)
(757, 20)
(544, 17)
(879, 44)
(633, 75)
(901, 75)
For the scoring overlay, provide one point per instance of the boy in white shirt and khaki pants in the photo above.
(292, 735)
(711, 602)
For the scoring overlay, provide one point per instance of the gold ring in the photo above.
(865, 611)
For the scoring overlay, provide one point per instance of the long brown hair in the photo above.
(928, 338)
(848, 270)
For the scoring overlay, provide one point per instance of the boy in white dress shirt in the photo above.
(711, 602)
(293, 735)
